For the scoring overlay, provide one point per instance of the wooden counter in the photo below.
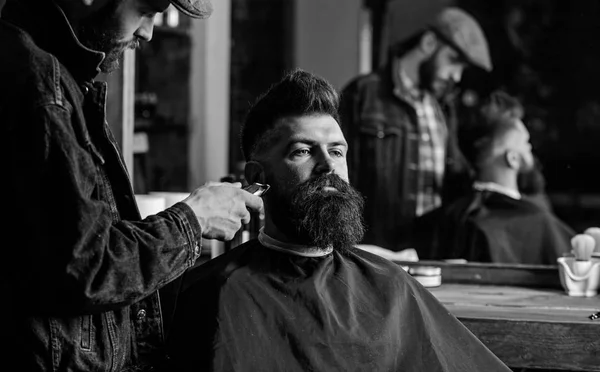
(522, 314)
(529, 328)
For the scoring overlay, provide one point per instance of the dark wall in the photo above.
(261, 52)
(162, 108)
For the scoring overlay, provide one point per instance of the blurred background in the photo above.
(192, 85)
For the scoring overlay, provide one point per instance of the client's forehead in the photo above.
(517, 131)
(513, 135)
(521, 127)
(320, 128)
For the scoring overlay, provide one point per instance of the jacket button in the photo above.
(141, 315)
(196, 250)
(85, 89)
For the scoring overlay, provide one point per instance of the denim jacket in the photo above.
(382, 131)
(80, 269)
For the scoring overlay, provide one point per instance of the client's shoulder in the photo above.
(379, 263)
(383, 274)
(530, 208)
(498, 202)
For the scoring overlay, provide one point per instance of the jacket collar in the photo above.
(403, 86)
(391, 80)
(50, 29)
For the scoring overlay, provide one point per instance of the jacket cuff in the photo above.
(192, 228)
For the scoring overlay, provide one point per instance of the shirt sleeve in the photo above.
(70, 255)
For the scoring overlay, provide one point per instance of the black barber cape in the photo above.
(488, 226)
(259, 309)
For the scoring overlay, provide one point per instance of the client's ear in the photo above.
(513, 159)
(254, 172)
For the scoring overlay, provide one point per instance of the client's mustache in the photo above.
(316, 185)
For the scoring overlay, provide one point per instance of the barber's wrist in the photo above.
(193, 229)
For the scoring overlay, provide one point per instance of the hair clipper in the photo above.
(258, 189)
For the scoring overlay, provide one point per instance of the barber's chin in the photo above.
(111, 63)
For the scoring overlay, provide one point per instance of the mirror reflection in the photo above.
(459, 139)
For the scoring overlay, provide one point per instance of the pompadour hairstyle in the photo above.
(299, 93)
(496, 116)
(501, 103)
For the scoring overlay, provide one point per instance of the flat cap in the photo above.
(194, 8)
(463, 32)
(406, 18)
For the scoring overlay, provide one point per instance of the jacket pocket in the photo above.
(380, 145)
(379, 129)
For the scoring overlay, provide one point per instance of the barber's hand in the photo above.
(221, 208)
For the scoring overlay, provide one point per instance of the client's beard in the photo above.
(320, 218)
(100, 32)
(530, 179)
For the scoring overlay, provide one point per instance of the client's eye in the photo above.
(301, 152)
(336, 152)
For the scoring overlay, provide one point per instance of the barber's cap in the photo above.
(405, 18)
(194, 8)
(464, 33)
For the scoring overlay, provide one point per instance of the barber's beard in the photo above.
(101, 32)
(320, 218)
(430, 82)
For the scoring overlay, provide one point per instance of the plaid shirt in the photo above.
(433, 136)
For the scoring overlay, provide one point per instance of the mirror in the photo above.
(545, 53)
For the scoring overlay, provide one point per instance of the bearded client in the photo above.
(301, 297)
